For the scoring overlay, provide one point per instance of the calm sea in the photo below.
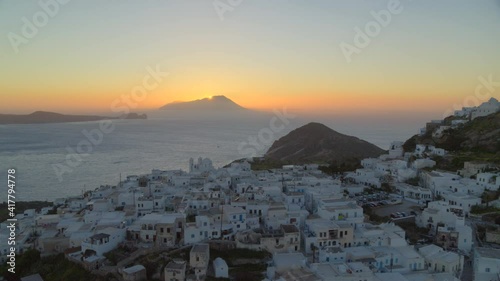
(138, 146)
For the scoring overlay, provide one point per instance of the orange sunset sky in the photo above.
(261, 55)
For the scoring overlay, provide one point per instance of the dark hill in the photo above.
(316, 143)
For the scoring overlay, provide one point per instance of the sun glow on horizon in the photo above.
(259, 61)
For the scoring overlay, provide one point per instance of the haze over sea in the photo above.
(164, 141)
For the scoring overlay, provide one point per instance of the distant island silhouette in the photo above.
(42, 117)
(215, 103)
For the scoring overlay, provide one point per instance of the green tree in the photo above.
(488, 196)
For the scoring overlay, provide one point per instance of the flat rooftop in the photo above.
(176, 265)
(200, 248)
(488, 253)
(289, 228)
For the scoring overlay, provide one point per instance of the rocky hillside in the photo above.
(477, 140)
(479, 135)
(316, 143)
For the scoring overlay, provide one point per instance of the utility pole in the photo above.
(391, 261)
(221, 216)
(282, 183)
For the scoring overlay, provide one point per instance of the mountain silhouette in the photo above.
(215, 103)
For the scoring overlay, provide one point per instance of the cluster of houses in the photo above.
(310, 221)
(484, 109)
(462, 116)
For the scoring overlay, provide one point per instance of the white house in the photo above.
(439, 260)
(423, 163)
(440, 212)
(387, 234)
(104, 241)
(489, 181)
(340, 210)
(322, 233)
(198, 231)
(134, 273)
(175, 271)
(486, 108)
(235, 216)
(199, 258)
(332, 255)
(473, 168)
(486, 264)
(414, 192)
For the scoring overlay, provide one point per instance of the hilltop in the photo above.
(316, 143)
